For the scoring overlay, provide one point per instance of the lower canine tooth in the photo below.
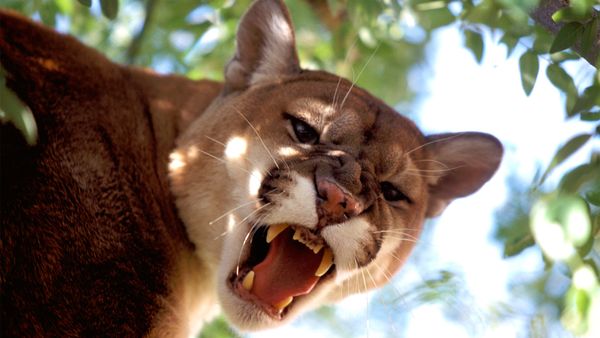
(275, 230)
(248, 281)
(326, 263)
(317, 248)
(281, 305)
(298, 235)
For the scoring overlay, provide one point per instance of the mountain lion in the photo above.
(149, 202)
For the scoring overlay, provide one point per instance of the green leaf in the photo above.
(13, 110)
(64, 6)
(48, 13)
(514, 248)
(564, 152)
(591, 263)
(590, 31)
(589, 99)
(575, 180)
(86, 3)
(433, 18)
(564, 56)
(529, 67)
(561, 79)
(585, 248)
(561, 223)
(542, 41)
(110, 8)
(578, 10)
(565, 37)
(511, 42)
(548, 232)
(567, 15)
(485, 12)
(590, 116)
(593, 196)
(474, 41)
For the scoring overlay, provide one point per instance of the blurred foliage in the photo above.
(385, 311)
(218, 328)
(562, 222)
(14, 111)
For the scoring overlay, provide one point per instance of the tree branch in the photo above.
(542, 15)
(331, 20)
(136, 43)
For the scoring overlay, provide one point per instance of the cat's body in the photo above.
(111, 227)
(89, 232)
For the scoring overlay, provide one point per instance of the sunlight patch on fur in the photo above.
(287, 152)
(236, 148)
(231, 222)
(176, 162)
(192, 152)
(254, 182)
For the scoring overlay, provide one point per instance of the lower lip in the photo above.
(235, 284)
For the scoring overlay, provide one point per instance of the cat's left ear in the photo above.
(466, 162)
(265, 49)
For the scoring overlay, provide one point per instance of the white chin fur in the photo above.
(346, 240)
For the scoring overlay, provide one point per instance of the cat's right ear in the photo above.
(265, 49)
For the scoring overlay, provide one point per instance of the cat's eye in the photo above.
(303, 132)
(393, 194)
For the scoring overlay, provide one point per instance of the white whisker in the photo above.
(350, 50)
(436, 170)
(230, 211)
(244, 157)
(247, 235)
(257, 135)
(223, 161)
(216, 141)
(426, 176)
(362, 272)
(388, 277)
(402, 238)
(434, 161)
(432, 142)
(398, 232)
(359, 74)
(401, 260)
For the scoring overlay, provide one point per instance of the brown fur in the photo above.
(89, 233)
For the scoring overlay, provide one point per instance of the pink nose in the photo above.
(334, 205)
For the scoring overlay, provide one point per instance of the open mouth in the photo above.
(285, 262)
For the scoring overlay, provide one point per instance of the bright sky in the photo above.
(466, 96)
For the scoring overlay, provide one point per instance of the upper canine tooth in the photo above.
(248, 281)
(326, 263)
(275, 230)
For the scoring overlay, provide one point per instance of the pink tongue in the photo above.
(287, 271)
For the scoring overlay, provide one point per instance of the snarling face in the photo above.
(300, 188)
